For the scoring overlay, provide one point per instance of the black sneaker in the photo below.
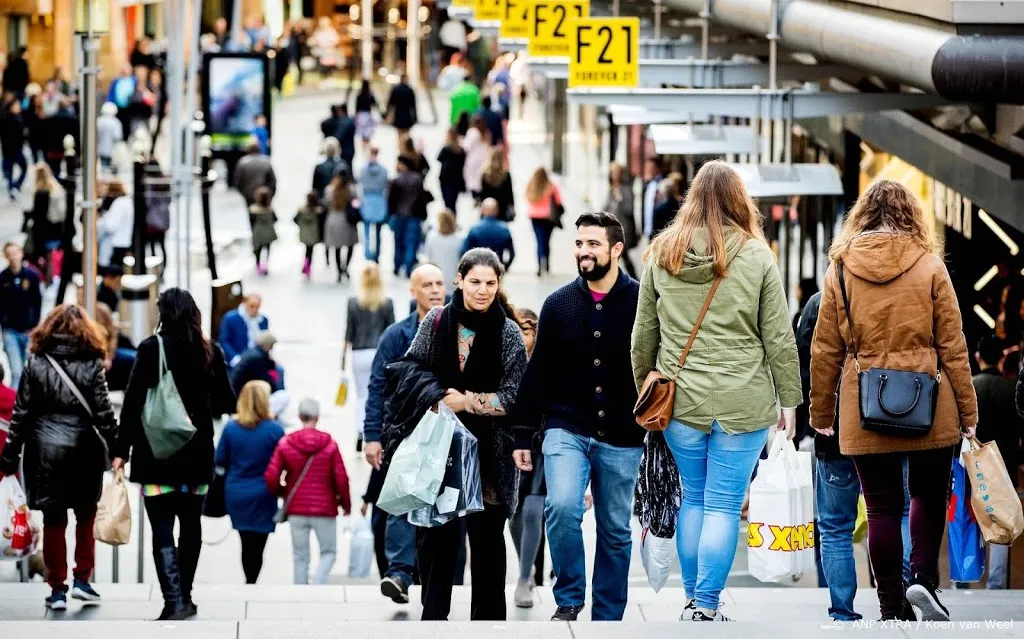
(923, 595)
(394, 588)
(700, 615)
(567, 613)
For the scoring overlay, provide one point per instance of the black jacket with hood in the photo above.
(65, 450)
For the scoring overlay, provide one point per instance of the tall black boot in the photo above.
(188, 561)
(169, 576)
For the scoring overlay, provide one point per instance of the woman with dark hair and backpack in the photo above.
(174, 487)
(63, 420)
(474, 347)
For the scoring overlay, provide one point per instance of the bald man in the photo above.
(239, 328)
(426, 285)
(491, 233)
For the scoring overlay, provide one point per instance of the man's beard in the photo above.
(595, 274)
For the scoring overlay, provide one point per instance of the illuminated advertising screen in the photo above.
(236, 89)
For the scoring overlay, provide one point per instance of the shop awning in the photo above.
(784, 180)
(626, 115)
(702, 139)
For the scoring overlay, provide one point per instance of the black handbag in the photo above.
(213, 505)
(557, 211)
(893, 402)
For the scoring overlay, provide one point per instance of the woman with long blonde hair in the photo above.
(244, 452)
(370, 311)
(496, 182)
(543, 201)
(743, 356)
(888, 303)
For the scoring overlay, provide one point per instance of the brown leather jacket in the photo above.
(907, 318)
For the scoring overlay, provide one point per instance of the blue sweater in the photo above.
(234, 335)
(580, 376)
(245, 454)
(491, 233)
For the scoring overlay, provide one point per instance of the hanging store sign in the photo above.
(464, 3)
(490, 10)
(952, 208)
(548, 28)
(606, 52)
(515, 23)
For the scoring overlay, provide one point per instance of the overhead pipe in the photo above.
(958, 68)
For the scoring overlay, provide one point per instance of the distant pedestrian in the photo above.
(491, 233)
(21, 303)
(651, 194)
(109, 132)
(620, 204)
(665, 211)
(496, 182)
(63, 429)
(473, 347)
(494, 121)
(407, 207)
(340, 231)
(465, 98)
(16, 75)
(373, 182)
(315, 486)
(239, 328)
(452, 159)
(409, 149)
(253, 171)
(346, 134)
(257, 364)
(323, 175)
(542, 198)
(13, 133)
(48, 206)
(114, 228)
(443, 248)
(55, 129)
(244, 452)
(366, 104)
(308, 221)
(401, 108)
(477, 144)
(174, 488)
(260, 132)
(370, 311)
(329, 125)
(262, 218)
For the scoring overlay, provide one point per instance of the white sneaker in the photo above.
(703, 614)
(524, 594)
(688, 610)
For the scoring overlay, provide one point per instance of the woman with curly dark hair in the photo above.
(65, 424)
(174, 487)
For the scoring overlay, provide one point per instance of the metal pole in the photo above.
(205, 156)
(67, 236)
(413, 44)
(367, 43)
(90, 45)
(176, 62)
(705, 30)
(615, 8)
(657, 19)
(139, 197)
(773, 48)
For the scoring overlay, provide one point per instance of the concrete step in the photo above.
(364, 604)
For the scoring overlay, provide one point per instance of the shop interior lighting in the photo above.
(1000, 233)
(985, 317)
(986, 278)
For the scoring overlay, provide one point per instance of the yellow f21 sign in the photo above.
(515, 21)
(548, 26)
(490, 9)
(606, 52)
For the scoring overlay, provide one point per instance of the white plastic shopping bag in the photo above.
(20, 533)
(360, 556)
(657, 554)
(780, 536)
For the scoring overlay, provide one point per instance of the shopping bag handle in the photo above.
(778, 446)
(973, 443)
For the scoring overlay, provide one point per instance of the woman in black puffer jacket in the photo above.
(65, 442)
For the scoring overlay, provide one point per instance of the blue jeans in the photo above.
(450, 195)
(8, 166)
(570, 463)
(837, 490)
(715, 470)
(371, 248)
(400, 548)
(407, 239)
(542, 230)
(15, 346)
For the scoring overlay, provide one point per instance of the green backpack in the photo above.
(164, 418)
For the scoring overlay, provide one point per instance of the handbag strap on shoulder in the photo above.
(700, 316)
(163, 356)
(298, 482)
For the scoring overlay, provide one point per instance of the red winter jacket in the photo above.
(325, 485)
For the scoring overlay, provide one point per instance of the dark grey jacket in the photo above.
(364, 327)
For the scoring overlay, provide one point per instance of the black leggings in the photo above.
(162, 510)
(253, 544)
(309, 252)
(343, 265)
(258, 252)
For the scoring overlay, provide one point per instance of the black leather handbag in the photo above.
(893, 402)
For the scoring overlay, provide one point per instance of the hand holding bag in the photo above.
(113, 523)
(892, 402)
(966, 545)
(993, 497)
(417, 469)
(654, 406)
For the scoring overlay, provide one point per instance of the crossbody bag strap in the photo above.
(700, 317)
(81, 400)
(849, 315)
(302, 475)
(163, 356)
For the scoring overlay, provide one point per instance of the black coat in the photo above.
(997, 417)
(206, 394)
(255, 365)
(64, 454)
(325, 172)
(503, 194)
(825, 446)
(664, 212)
(403, 105)
(16, 76)
(410, 391)
(12, 135)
